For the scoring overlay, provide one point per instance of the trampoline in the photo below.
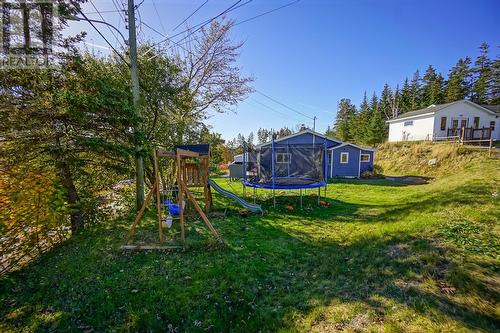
(285, 166)
(287, 183)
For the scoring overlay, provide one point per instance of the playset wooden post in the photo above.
(187, 175)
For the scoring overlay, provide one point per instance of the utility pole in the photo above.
(314, 123)
(139, 162)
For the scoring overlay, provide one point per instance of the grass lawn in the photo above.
(382, 257)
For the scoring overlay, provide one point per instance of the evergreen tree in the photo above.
(483, 72)
(405, 98)
(361, 121)
(495, 87)
(415, 92)
(433, 87)
(375, 131)
(250, 139)
(346, 112)
(385, 105)
(459, 81)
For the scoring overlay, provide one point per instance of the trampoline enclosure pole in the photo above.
(244, 168)
(272, 169)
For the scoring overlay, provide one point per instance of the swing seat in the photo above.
(172, 207)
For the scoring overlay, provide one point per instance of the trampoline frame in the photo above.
(315, 183)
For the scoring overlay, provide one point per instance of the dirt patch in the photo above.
(398, 251)
(409, 180)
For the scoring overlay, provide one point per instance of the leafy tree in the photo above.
(459, 81)
(433, 87)
(346, 112)
(483, 71)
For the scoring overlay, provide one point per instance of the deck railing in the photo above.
(470, 133)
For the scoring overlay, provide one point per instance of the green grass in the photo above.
(382, 257)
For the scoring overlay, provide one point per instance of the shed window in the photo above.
(408, 123)
(476, 122)
(492, 125)
(344, 157)
(463, 123)
(454, 123)
(283, 158)
(365, 157)
(443, 123)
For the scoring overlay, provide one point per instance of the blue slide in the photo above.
(245, 204)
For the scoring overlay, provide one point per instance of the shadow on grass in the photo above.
(271, 275)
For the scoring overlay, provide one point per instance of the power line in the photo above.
(201, 25)
(187, 18)
(159, 18)
(119, 10)
(230, 9)
(153, 29)
(268, 12)
(99, 32)
(274, 110)
(112, 32)
(284, 105)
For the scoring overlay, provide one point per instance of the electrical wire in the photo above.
(268, 12)
(99, 32)
(274, 110)
(109, 28)
(230, 9)
(159, 18)
(284, 105)
(187, 18)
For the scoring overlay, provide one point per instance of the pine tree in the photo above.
(459, 81)
(483, 76)
(405, 100)
(375, 131)
(433, 87)
(250, 139)
(385, 105)
(346, 112)
(361, 121)
(495, 90)
(415, 92)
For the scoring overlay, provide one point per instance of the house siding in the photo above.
(467, 112)
(422, 129)
(367, 166)
(350, 169)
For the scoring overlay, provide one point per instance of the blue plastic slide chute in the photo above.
(245, 204)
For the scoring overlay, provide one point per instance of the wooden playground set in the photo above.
(184, 168)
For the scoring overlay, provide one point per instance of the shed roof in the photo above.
(352, 145)
(306, 131)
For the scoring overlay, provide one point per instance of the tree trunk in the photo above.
(76, 214)
(64, 172)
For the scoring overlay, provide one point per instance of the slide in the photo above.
(250, 206)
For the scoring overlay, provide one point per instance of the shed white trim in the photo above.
(352, 145)
(313, 133)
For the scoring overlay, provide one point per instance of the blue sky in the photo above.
(315, 52)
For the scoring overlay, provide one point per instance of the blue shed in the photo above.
(342, 160)
(349, 160)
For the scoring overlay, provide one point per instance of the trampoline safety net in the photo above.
(294, 164)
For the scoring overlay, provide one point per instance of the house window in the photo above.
(476, 122)
(492, 125)
(408, 123)
(283, 158)
(463, 123)
(365, 157)
(344, 157)
(454, 123)
(443, 123)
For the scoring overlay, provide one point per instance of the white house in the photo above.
(457, 119)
